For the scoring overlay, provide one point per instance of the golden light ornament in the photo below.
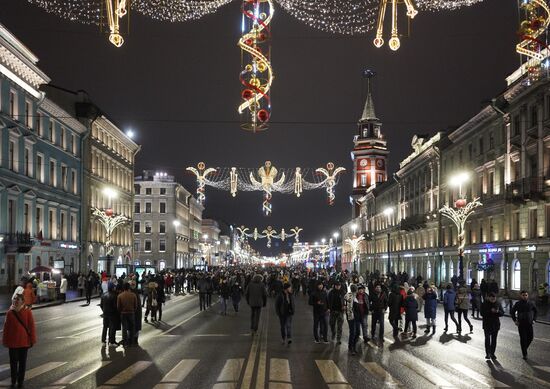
(536, 19)
(257, 74)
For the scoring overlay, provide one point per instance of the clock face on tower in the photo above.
(363, 163)
(380, 163)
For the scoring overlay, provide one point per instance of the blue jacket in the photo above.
(449, 299)
(430, 307)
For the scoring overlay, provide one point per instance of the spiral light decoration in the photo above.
(257, 74)
(532, 34)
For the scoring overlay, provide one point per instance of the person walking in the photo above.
(161, 297)
(378, 305)
(18, 336)
(81, 284)
(430, 309)
(319, 300)
(491, 311)
(152, 303)
(462, 307)
(127, 305)
(236, 293)
(524, 314)
(202, 286)
(225, 292)
(63, 288)
(411, 311)
(108, 305)
(449, 299)
(336, 309)
(476, 301)
(89, 285)
(256, 297)
(363, 315)
(284, 307)
(395, 303)
(353, 324)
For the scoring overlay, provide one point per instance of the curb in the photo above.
(54, 303)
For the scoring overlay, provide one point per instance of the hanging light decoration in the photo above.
(257, 74)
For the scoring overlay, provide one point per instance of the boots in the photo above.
(433, 330)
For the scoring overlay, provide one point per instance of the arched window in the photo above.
(451, 268)
(516, 275)
(502, 272)
(429, 270)
(443, 271)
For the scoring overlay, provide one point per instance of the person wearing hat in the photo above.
(284, 306)
(19, 335)
(363, 311)
(319, 300)
(336, 307)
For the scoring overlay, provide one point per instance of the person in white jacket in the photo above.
(63, 288)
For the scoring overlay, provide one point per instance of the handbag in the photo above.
(154, 303)
(24, 326)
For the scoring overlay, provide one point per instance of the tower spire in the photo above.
(368, 110)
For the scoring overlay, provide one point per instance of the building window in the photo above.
(137, 227)
(137, 207)
(379, 178)
(148, 191)
(162, 207)
(62, 226)
(534, 115)
(515, 127)
(163, 191)
(39, 226)
(28, 114)
(13, 104)
(147, 245)
(73, 228)
(147, 207)
(363, 180)
(516, 275)
(162, 227)
(73, 181)
(62, 138)
(51, 132)
(11, 161)
(51, 224)
(491, 140)
(64, 178)
(148, 227)
(162, 245)
(136, 245)
(39, 119)
(53, 174)
(28, 168)
(481, 145)
(12, 216)
(27, 218)
(40, 167)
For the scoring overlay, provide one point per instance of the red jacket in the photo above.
(403, 293)
(15, 336)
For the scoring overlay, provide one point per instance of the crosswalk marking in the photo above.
(46, 367)
(427, 372)
(231, 370)
(482, 379)
(279, 370)
(225, 385)
(543, 368)
(77, 375)
(380, 373)
(330, 372)
(180, 371)
(127, 374)
(4, 367)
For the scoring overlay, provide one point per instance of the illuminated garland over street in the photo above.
(267, 179)
(269, 233)
(257, 74)
(110, 222)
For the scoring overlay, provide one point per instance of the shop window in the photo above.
(429, 270)
(451, 269)
(516, 275)
(443, 271)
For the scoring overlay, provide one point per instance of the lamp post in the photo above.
(336, 265)
(388, 212)
(459, 215)
(354, 243)
(176, 224)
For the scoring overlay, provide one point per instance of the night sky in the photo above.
(177, 87)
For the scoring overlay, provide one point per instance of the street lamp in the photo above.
(459, 215)
(354, 243)
(388, 212)
(335, 236)
(176, 224)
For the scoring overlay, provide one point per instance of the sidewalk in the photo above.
(72, 296)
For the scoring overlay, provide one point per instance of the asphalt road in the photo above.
(193, 349)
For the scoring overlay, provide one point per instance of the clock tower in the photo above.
(370, 152)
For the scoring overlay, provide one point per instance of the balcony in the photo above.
(531, 188)
(18, 242)
(414, 222)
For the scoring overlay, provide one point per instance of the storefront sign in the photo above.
(531, 248)
(513, 249)
(68, 246)
(467, 251)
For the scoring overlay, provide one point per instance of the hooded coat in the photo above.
(256, 295)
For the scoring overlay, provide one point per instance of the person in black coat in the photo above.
(378, 305)
(411, 311)
(319, 300)
(395, 302)
(110, 314)
(236, 293)
(491, 311)
(284, 306)
(336, 307)
(524, 314)
(256, 297)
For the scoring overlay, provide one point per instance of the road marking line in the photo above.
(330, 372)
(543, 368)
(46, 367)
(262, 363)
(231, 371)
(180, 323)
(339, 386)
(180, 371)
(4, 367)
(127, 374)
(542, 340)
(77, 335)
(381, 374)
(279, 370)
(482, 379)
(225, 385)
(426, 372)
(78, 375)
(47, 320)
(251, 361)
(279, 385)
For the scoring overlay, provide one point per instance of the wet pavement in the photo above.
(193, 349)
